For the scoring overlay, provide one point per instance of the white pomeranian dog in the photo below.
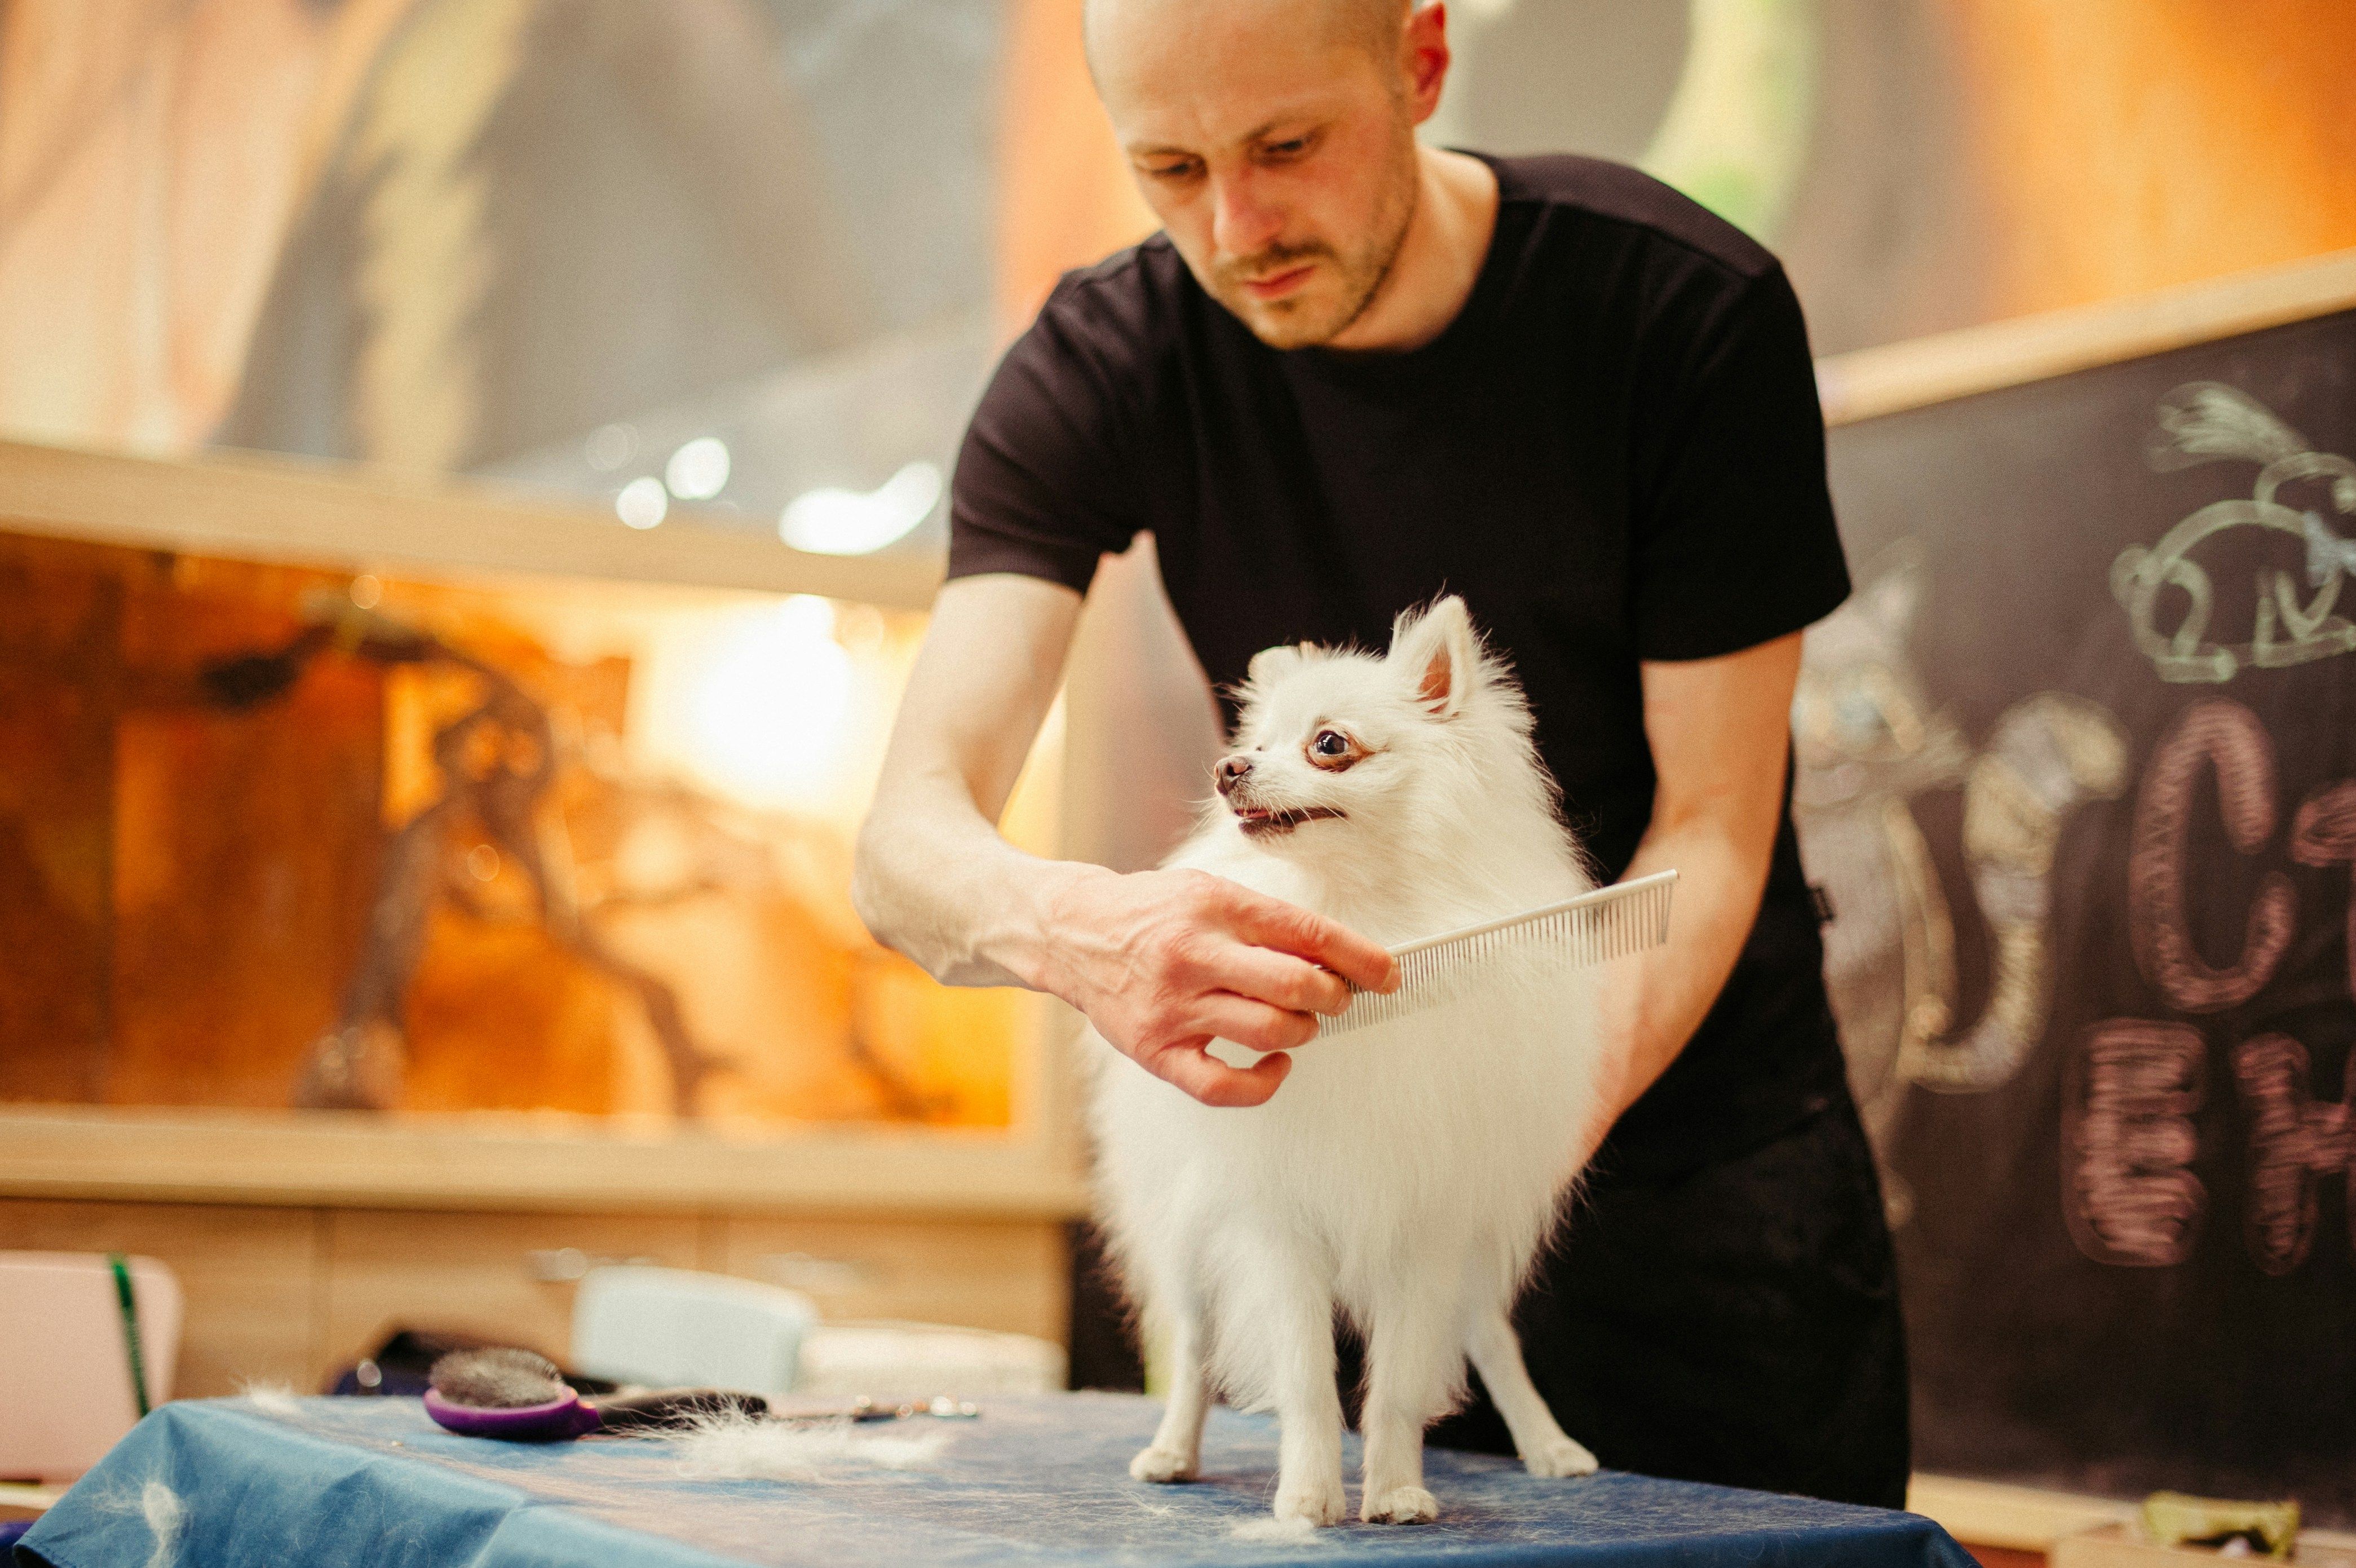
(1406, 1172)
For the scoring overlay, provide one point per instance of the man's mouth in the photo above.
(1260, 820)
(1277, 285)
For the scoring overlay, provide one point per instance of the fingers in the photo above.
(1288, 928)
(1278, 978)
(1249, 1022)
(1206, 958)
(1213, 1081)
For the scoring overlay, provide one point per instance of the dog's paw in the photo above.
(1400, 1505)
(1160, 1464)
(1320, 1503)
(1561, 1455)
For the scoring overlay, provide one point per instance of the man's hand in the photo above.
(1164, 962)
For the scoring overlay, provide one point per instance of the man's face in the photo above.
(1279, 155)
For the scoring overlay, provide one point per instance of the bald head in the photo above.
(1376, 26)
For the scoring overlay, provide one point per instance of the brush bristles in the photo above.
(1571, 938)
(498, 1378)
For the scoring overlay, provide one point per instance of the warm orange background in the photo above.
(153, 156)
(184, 891)
(2126, 145)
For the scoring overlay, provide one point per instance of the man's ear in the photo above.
(1436, 651)
(1424, 58)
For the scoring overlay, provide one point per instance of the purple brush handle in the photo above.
(551, 1422)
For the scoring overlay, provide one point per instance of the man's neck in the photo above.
(1438, 259)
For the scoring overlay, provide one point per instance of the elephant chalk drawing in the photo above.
(1866, 741)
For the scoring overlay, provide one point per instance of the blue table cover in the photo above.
(345, 1483)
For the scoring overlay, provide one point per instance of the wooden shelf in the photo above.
(254, 507)
(507, 1162)
(2017, 1519)
(1899, 376)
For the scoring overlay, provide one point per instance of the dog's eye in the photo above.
(1330, 743)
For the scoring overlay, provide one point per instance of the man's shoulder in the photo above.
(1592, 193)
(1123, 305)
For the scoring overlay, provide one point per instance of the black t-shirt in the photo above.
(1614, 453)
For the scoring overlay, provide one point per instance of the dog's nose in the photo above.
(1233, 770)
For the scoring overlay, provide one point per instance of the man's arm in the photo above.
(1160, 962)
(1720, 729)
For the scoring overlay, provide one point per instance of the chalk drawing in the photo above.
(2206, 421)
(2212, 732)
(2293, 1142)
(1867, 740)
(2128, 1191)
(2323, 833)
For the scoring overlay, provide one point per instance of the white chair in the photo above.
(67, 1392)
(677, 1327)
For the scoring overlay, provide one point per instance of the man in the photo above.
(1350, 372)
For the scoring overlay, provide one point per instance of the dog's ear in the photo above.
(1437, 651)
(1270, 665)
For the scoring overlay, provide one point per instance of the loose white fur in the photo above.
(271, 1398)
(1292, 1532)
(1406, 1173)
(161, 1509)
(737, 1447)
(166, 1518)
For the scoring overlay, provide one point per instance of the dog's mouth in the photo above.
(1260, 822)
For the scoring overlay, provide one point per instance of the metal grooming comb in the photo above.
(1626, 918)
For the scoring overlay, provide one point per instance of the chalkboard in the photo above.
(2077, 773)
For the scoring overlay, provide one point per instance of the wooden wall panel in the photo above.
(1011, 1276)
(390, 1268)
(289, 1296)
(251, 1278)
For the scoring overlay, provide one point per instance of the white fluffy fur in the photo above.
(271, 1398)
(737, 1447)
(1406, 1173)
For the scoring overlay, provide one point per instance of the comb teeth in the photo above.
(1606, 924)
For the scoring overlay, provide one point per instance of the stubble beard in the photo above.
(1294, 323)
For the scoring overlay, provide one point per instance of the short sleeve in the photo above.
(1044, 485)
(1735, 542)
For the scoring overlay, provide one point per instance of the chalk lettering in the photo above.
(2128, 1142)
(2226, 736)
(2293, 1142)
(2323, 833)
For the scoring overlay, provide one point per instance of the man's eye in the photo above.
(1330, 743)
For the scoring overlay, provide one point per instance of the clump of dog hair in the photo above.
(728, 1447)
(498, 1378)
(1294, 1532)
(167, 1517)
(161, 1509)
(270, 1398)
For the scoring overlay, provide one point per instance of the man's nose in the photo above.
(1232, 771)
(1241, 224)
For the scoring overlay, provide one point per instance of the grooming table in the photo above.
(341, 1483)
